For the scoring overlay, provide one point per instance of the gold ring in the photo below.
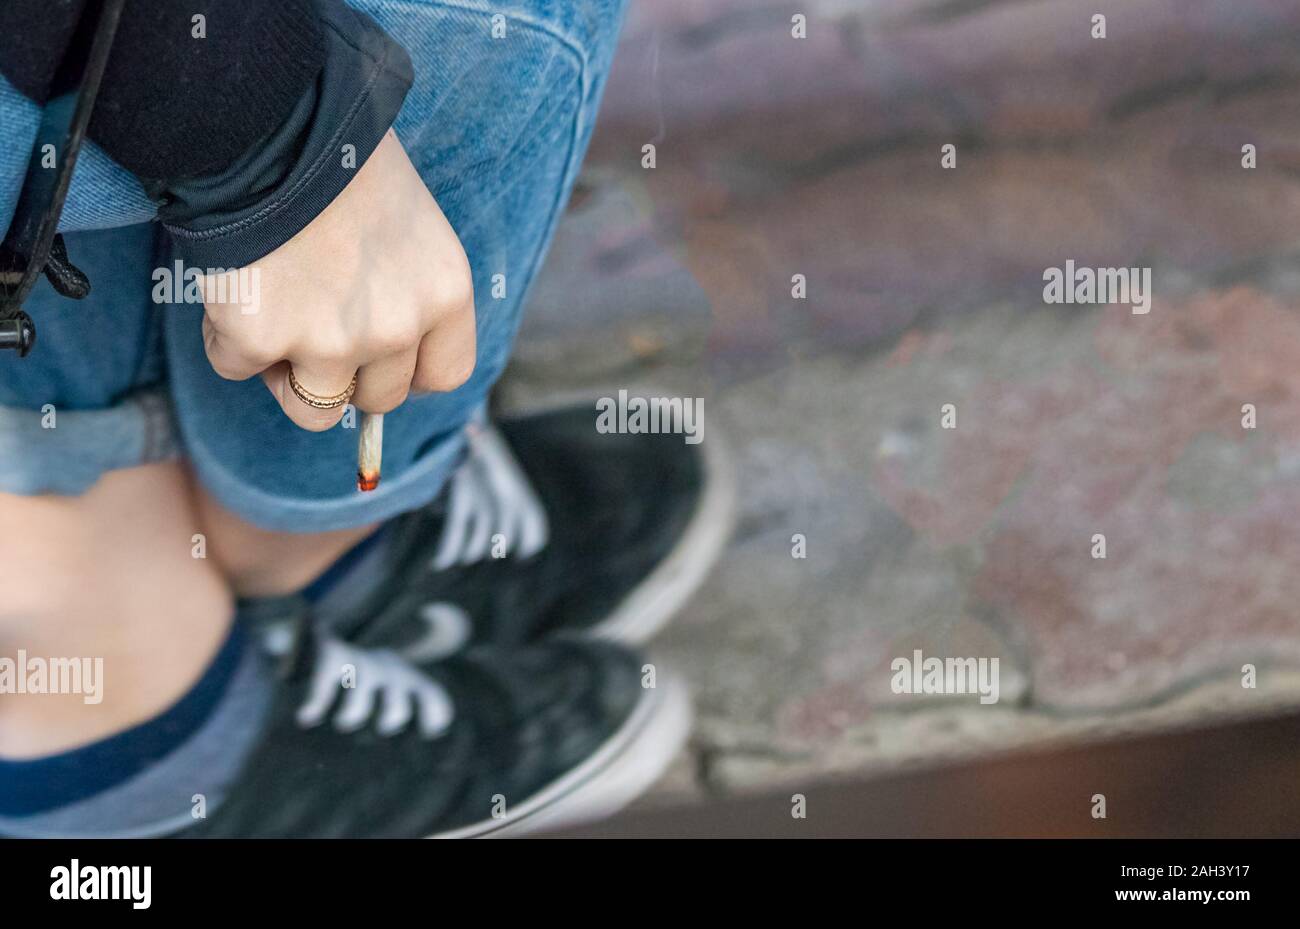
(321, 403)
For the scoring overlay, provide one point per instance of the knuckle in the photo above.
(314, 420)
(262, 357)
(226, 367)
(247, 354)
(234, 364)
(395, 335)
(387, 402)
(455, 290)
(328, 350)
(446, 378)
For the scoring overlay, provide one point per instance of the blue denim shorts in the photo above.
(497, 129)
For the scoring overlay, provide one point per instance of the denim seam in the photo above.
(567, 40)
(577, 50)
(574, 48)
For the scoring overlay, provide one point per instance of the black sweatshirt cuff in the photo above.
(232, 219)
(189, 87)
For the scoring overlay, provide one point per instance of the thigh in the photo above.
(497, 122)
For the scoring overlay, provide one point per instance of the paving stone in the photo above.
(977, 543)
(925, 288)
(1199, 514)
(611, 298)
(876, 74)
(642, 271)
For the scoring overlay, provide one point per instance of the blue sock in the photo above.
(350, 579)
(141, 781)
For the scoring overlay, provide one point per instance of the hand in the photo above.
(376, 286)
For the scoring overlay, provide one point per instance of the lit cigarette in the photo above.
(370, 451)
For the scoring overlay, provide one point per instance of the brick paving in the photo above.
(821, 157)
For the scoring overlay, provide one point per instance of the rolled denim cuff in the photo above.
(52, 451)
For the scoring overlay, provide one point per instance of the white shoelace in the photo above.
(369, 679)
(490, 502)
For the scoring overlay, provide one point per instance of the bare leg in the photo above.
(261, 563)
(111, 574)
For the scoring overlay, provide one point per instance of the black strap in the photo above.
(31, 246)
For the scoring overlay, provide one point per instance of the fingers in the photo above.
(447, 354)
(442, 361)
(321, 380)
(377, 286)
(383, 385)
(393, 339)
(232, 361)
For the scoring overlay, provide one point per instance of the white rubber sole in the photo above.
(657, 599)
(622, 769)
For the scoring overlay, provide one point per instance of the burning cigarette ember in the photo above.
(370, 451)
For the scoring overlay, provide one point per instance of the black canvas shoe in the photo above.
(550, 527)
(484, 745)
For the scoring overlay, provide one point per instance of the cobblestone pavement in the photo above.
(821, 157)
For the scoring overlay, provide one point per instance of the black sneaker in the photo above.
(485, 745)
(550, 527)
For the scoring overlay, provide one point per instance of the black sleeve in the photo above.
(262, 200)
(189, 86)
(244, 142)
